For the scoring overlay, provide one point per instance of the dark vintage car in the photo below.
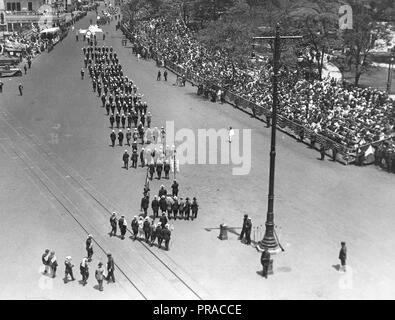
(7, 71)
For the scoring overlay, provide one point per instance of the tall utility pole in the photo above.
(269, 241)
(389, 79)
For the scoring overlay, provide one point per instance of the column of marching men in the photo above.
(126, 111)
(125, 108)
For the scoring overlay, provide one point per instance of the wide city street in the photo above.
(60, 179)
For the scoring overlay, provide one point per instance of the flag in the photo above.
(369, 151)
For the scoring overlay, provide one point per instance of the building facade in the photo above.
(19, 15)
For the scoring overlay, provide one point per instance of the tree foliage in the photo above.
(230, 25)
(360, 40)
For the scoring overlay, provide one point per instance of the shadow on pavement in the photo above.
(336, 267)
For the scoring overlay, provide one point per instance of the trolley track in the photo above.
(94, 199)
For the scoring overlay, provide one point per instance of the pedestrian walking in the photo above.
(142, 157)
(195, 208)
(181, 206)
(68, 271)
(163, 204)
(135, 227)
(163, 219)
(134, 158)
(112, 119)
(144, 204)
(158, 76)
(53, 263)
(265, 261)
(84, 270)
(123, 120)
(165, 75)
(343, 256)
(89, 247)
(187, 208)
(25, 68)
(122, 226)
(152, 169)
(174, 188)
(125, 159)
(117, 119)
(110, 268)
(99, 275)
(113, 137)
(152, 233)
(120, 137)
(155, 207)
(44, 259)
(159, 168)
(174, 207)
(113, 223)
(146, 229)
(128, 136)
(82, 73)
(20, 88)
(166, 168)
(158, 233)
(1, 86)
(166, 234)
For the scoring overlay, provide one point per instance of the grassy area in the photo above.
(376, 78)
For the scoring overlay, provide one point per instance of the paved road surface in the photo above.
(317, 205)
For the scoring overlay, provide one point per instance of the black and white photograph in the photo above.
(197, 150)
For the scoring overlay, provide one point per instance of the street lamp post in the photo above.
(269, 240)
(389, 79)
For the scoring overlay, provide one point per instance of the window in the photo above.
(30, 6)
(14, 6)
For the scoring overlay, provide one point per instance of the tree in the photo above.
(360, 40)
(230, 35)
(317, 21)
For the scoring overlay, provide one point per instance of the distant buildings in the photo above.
(19, 15)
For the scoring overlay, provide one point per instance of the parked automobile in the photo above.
(7, 71)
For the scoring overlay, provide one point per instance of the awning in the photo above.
(50, 30)
(95, 29)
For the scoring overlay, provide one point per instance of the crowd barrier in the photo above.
(337, 151)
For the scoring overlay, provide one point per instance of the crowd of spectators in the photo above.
(348, 115)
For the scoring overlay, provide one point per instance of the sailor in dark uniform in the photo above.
(125, 159)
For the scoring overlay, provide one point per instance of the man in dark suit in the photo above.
(113, 137)
(113, 223)
(144, 205)
(125, 159)
(120, 137)
(174, 188)
(343, 256)
(110, 268)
